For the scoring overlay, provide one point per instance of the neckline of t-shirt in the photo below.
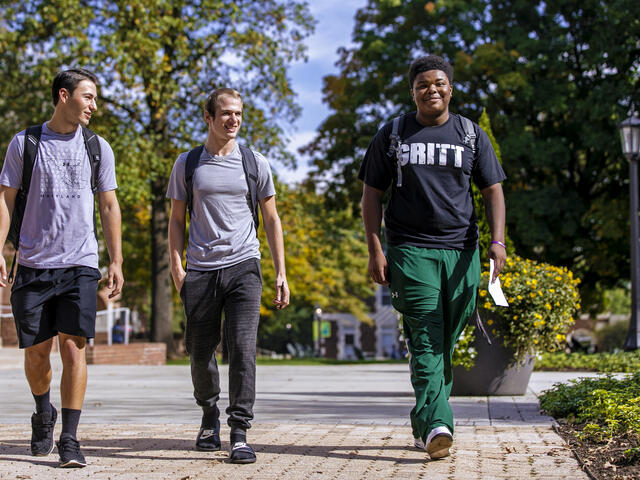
(220, 158)
(63, 136)
(415, 118)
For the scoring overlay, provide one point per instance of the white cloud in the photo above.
(299, 139)
(288, 174)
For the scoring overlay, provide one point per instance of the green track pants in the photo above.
(435, 290)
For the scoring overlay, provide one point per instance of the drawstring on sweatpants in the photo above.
(218, 282)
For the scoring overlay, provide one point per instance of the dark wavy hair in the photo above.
(430, 62)
(69, 80)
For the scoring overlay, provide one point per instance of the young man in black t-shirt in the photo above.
(432, 263)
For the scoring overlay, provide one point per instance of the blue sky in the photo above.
(335, 21)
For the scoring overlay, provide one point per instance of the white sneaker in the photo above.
(439, 442)
(418, 443)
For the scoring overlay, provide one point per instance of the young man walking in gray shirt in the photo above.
(223, 267)
(54, 292)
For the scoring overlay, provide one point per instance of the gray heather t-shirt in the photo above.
(221, 230)
(57, 229)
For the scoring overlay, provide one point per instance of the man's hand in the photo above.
(178, 276)
(282, 294)
(499, 255)
(378, 268)
(116, 279)
(3, 272)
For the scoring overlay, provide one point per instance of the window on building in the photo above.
(385, 296)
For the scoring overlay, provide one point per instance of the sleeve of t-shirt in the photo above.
(177, 188)
(487, 170)
(376, 168)
(11, 175)
(265, 178)
(107, 170)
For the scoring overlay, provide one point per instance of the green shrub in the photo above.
(617, 300)
(623, 362)
(606, 406)
(612, 337)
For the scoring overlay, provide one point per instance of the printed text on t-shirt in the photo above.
(421, 154)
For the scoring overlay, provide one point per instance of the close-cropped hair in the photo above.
(430, 62)
(212, 101)
(69, 80)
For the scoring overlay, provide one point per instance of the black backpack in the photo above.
(31, 140)
(395, 141)
(249, 166)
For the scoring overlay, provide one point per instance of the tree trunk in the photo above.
(161, 294)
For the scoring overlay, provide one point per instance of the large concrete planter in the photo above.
(493, 373)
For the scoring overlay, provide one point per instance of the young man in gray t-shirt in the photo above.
(223, 269)
(54, 292)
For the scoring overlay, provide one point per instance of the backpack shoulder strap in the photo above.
(395, 140)
(193, 157)
(29, 151)
(31, 140)
(92, 144)
(469, 133)
(250, 166)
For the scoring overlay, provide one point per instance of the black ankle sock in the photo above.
(238, 435)
(70, 419)
(210, 417)
(43, 403)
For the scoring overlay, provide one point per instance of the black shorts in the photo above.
(48, 301)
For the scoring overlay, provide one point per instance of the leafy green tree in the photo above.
(326, 264)
(555, 79)
(157, 60)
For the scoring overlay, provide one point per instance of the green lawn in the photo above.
(623, 362)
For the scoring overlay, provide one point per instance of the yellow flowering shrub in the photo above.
(543, 303)
(465, 353)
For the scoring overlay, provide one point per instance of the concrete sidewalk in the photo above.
(311, 422)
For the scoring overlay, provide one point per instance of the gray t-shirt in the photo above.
(57, 229)
(221, 229)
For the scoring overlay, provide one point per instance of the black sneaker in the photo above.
(70, 454)
(208, 440)
(42, 425)
(241, 453)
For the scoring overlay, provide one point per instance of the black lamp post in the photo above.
(630, 138)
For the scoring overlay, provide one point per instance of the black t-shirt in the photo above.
(434, 206)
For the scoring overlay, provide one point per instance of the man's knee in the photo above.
(37, 356)
(72, 349)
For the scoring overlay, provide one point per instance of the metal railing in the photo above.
(107, 319)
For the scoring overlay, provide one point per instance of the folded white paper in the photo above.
(494, 288)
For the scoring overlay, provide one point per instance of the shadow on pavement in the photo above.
(135, 448)
(346, 394)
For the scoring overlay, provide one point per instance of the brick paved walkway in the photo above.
(315, 422)
(300, 451)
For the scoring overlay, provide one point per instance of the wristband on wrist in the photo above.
(499, 243)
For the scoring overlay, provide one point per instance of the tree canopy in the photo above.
(555, 79)
(326, 265)
(157, 60)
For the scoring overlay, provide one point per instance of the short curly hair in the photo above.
(430, 62)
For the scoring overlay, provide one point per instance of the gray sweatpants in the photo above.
(236, 291)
